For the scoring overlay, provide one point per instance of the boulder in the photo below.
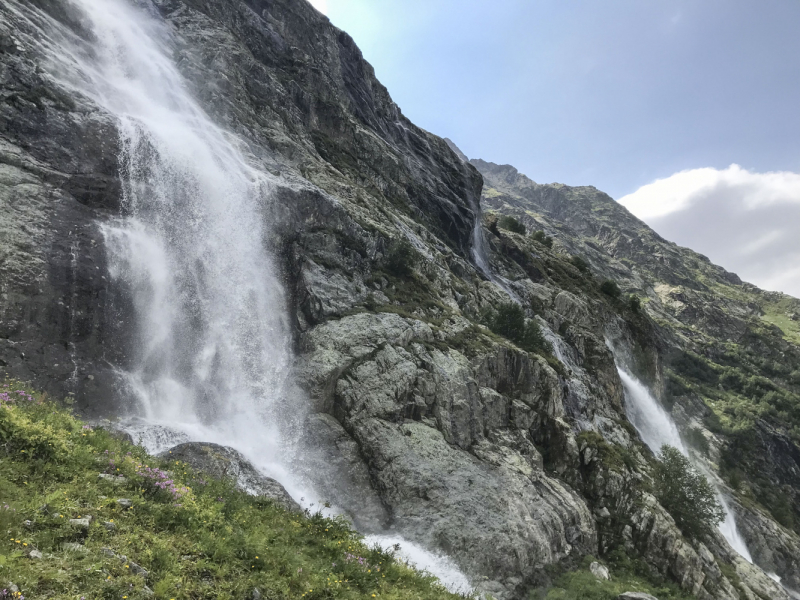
(81, 523)
(221, 461)
(599, 571)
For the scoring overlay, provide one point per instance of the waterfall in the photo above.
(212, 350)
(656, 428)
(654, 425)
(481, 258)
(212, 353)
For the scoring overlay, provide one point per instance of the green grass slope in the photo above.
(182, 534)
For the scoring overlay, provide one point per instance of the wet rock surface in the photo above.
(223, 462)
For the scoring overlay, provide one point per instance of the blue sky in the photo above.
(612, 93)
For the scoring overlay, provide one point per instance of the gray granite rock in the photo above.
(221, 462)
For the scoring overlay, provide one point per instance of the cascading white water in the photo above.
(481, 258)
(212, 357)
(656, 428)
(436, 564)
(654, 425)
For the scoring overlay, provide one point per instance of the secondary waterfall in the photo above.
(211, 359)
(656, 428)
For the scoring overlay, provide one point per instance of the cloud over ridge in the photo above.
(748, 222)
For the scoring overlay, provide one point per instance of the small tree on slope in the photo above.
(686, 494)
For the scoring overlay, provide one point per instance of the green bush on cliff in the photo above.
(579, 263)
(401, 258)
(686, 494)
(509, 321)
(543, 239)
(627, 575)
(611, 289)
(510, 223)
(184, 535)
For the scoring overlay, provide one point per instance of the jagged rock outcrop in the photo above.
(421, 419)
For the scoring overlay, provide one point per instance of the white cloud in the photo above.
(747, 222)
(320, 5)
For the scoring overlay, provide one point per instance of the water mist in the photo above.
(211, 358)
(656, 428)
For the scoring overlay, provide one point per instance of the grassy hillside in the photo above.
(184, 535)
(87, 516)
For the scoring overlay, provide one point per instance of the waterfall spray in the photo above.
(656, 428)
(211, 357)
(212, 354)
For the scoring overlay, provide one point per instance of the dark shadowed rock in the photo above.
(223, 462)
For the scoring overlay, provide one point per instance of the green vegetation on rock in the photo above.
(686, 494)
(86, 515)
(610, 288)
(626, 575)
(509, 321)
(401, 258)
(542, 238)
(510, 223)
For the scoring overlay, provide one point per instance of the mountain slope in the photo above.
(512, 455)
(731, 371)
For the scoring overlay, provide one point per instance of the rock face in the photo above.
(422, 421)
(222, 462)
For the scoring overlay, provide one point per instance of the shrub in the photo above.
(509, 321)
(401, 258)
(610, 288)
(634, 303)
(545, 240)
(694, 367)
(686, 494)
(511, 224)
(579, 263)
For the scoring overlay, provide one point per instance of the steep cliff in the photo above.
(420, 420)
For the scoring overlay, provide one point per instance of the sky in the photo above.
(687, 111)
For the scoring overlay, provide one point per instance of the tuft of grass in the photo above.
(626, 576)
(185, 535)
(788, 326)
